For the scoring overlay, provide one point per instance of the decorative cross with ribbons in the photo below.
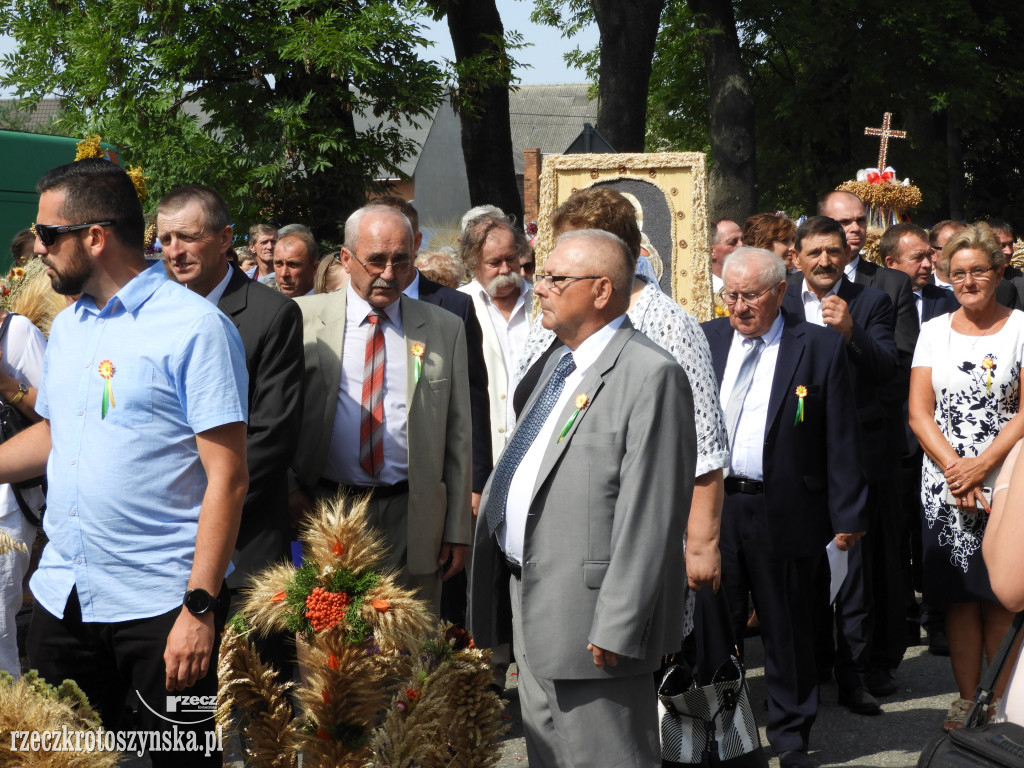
(885, 133)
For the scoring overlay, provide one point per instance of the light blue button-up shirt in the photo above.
(125, 489)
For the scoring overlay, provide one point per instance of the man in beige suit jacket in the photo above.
(421, 495)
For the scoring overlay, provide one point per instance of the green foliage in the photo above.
(278, 84)
(823, 70)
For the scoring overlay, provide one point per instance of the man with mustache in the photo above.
(492, 248)
(387, 407)
(864, 318)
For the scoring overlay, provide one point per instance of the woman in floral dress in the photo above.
(965, 411)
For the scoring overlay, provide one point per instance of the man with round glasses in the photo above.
(387, 408)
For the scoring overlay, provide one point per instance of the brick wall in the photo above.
(531, 184)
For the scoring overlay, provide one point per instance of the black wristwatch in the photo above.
(199, 601)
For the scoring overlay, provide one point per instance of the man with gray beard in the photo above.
(491, 248)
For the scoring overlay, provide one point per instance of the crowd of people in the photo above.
(561, 482)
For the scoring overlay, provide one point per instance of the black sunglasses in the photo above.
(48, 233)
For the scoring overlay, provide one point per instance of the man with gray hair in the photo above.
(788, 403)
(387, 407)
(591, 558)
(492, 250)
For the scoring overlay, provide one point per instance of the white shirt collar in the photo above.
(851, 269)
(586, 354)
(808, 294)
(772, 335)
(357, 308)
(217, 293)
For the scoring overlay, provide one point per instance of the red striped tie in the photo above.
(371, 427)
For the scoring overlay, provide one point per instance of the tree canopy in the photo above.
(257, 98)
(823, 70)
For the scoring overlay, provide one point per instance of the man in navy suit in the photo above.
(795, 478)
(870, 597)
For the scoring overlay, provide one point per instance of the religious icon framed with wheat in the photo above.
(669, 191)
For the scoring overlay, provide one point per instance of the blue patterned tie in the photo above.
(521, 441)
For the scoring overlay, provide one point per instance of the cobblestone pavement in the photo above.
(911, 717)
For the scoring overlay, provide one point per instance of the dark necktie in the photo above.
(371, 426)
(521, 441)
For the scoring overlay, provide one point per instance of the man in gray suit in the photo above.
(387, 409)
(583, 520)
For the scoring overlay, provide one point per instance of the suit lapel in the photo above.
(235, 295)
(791, 349)
(719, 343)
(865, 274)
(590, 386)
(414, 326)
(330, 340)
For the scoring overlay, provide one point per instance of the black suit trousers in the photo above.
(783, 590)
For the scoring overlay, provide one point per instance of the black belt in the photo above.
(514, 568)
(378, 491)
(743, 485)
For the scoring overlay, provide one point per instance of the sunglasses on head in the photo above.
(48, 233)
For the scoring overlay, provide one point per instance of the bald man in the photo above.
(593, 560)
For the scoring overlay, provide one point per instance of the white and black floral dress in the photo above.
(976, 380)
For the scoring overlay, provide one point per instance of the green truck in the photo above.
(26, 158)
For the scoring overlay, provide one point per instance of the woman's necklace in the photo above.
(977, 337)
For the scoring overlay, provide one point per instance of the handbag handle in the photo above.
(983, 695)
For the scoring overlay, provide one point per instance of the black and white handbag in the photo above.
(709, 722)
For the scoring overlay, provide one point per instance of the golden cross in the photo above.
(885, 133)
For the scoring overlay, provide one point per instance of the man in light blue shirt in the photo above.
(143, 439)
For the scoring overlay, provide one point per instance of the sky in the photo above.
(544, 57)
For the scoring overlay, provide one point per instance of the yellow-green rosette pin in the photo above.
(801, 393)
(581, 402)
(107, 372)
(417, 351)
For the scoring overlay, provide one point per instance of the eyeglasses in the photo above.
(377, 266)
(48, 233)
(557, 282)
(749, 298)
(980, 275)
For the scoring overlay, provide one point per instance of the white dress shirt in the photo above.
(747, 457)
(812, 304)
(511, 333)
(512, 533)
(343, 458)
(850, 270)
(919, 304)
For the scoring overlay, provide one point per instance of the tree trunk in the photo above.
(629, 29)
(476, 31)
(732, 179)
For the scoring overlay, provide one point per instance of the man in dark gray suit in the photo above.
(595, 555)
(195, 232)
